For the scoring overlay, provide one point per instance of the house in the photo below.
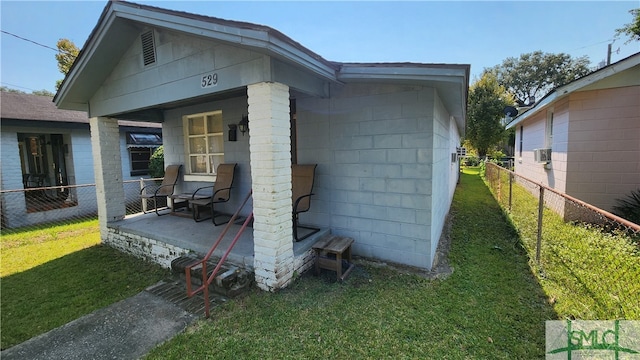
(45, 146)
(591, 129)
(382, 134)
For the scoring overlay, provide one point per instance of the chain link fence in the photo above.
(39, 208)
(575, 248)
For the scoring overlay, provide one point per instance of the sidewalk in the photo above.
(125, 330)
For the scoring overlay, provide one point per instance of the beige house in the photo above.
(591, 129)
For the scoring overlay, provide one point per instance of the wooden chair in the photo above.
(302, 178)
(166, 188)
(221, 193)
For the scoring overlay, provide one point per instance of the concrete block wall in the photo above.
(445, 139)
(604, 145)
(373, 145)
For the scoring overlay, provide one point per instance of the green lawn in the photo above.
(587, 273)
(53, 276)
(490, 307)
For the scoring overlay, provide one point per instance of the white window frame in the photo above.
(548, 130)
(212, 142)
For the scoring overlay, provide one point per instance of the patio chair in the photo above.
(302, 178)
(221, 193)
(166, 188)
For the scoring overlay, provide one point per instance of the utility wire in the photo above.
(34, 42)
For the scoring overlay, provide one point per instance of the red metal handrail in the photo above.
(206, 281)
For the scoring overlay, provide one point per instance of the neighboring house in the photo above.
(382, 134)
(44, 146)
(592, 128)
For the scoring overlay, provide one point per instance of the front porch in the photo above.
(164, 238)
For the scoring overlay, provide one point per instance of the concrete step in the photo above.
(230, 280)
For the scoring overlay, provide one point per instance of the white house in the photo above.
(382, 134)
(591, 127)
(45, 146)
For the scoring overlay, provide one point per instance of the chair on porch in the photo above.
(221, 193)
(302, 178)
(166, 188)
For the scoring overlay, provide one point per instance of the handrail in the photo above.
(206, 281)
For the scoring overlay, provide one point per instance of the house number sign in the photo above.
(209, 80)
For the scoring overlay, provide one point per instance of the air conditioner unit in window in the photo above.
(542, 156)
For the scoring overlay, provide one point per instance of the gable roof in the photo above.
(29, 107)
(595, 80)
(121, 22)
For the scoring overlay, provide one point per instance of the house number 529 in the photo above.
(209, 80)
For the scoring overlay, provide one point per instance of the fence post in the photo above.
(510, 189)
(499, 185)
(540, 211)
(143, 200)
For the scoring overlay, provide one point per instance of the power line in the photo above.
(17, 86)
(35, 42)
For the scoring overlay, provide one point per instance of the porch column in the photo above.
(107, 167)
(270, 148)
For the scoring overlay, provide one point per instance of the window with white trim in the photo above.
(204, 142)
(548, 138)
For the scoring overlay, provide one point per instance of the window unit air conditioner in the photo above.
(542, 156)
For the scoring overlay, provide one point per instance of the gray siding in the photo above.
(181, 62)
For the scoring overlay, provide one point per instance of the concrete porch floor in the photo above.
(198, 237)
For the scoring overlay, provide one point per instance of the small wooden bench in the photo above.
(330, 251)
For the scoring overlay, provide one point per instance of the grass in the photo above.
(490, 307)
(587, 273)
(53, 276)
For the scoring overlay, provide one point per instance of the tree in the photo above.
(43, 92)
(533, 75)
(67, 53)
(631, 29)
(8, 89)
(487, 100)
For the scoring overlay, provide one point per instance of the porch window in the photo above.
(204, 145)
(141, 147)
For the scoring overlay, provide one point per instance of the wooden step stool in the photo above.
(329, 254)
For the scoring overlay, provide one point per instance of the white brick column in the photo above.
(107, 167)
(270, 147)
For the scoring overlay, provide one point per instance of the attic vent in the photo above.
(148, 48)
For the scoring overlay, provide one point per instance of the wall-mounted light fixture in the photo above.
(243, 125)
(233, 133)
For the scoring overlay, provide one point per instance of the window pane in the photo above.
(196, 125)
(216, 145)
(214, 161)
(214, 123)
(197, 145)
(199, 164)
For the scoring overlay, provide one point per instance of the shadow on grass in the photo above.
(52, 294)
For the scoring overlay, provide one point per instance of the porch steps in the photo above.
(175, 292)
(230, 281)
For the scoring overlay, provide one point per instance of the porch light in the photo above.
(243, 125)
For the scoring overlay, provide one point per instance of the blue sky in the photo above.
(480, 33)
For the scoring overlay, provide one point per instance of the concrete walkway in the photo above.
(127, 329)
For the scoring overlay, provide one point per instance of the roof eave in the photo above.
(576, 85)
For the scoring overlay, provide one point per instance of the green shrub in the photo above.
(629, 207)
(156, 163)
(471, 161)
